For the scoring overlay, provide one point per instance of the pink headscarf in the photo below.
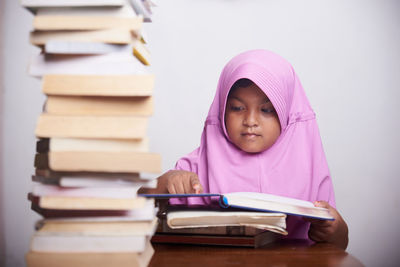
(295, 166)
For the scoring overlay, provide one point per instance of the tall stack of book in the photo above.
(92, 142)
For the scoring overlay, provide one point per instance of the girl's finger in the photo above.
(195, 183)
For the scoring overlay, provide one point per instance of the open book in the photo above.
(260, 202)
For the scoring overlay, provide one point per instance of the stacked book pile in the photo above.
(247, 219)
(92, 142)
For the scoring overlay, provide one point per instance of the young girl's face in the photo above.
(251, 120)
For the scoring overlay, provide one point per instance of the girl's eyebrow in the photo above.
(235, 97)
(239, 99)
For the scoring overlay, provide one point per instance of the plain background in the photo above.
(346, 53)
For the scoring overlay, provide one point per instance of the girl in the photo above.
(261, 135)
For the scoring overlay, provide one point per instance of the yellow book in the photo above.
(93, 161)
(81, 203)
(99, 105)
(86, 18)
(44, 23)
(99, 85)
(98, 127)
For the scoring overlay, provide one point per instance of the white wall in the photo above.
(346, 53)
(2, 237)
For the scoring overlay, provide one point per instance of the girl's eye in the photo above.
(268, 110)
(236, 108)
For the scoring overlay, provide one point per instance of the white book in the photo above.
(74, 181)
(118, 192)
(85, 48)
(67, 3)
(119, 63)
(146, 213)
(115, 35)
(142, 9)
(124, 11)
(98, 182)
(109, 145)
(68, 243)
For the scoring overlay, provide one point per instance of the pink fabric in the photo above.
(295, 166)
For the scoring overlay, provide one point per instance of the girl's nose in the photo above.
(250, 119)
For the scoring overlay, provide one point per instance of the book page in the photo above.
(273, 198)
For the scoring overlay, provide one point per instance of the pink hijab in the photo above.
(295, 166)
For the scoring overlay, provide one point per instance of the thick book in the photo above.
(92, 161)
(99, 105)
(96, 227)
(98, 127)
(181, 219)
(81, 48)
(86, 18)
(87, 203)
(145, 213)
(75, 181)
(213, 225)
(255, 241)
(46, 173)
(98, 85)
(92, 259)
(117, 192)
(85, 244)
(260, 202)
(236, 235)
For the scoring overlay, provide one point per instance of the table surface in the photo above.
(282, 253)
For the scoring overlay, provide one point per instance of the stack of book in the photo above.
(247, 219)
(92, 142)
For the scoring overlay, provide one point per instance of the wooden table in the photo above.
(283, 253)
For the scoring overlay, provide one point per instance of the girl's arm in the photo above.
(175, 182)
(334, 232)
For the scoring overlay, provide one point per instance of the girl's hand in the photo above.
(176, 182)
(335, 232)
(183, 182)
